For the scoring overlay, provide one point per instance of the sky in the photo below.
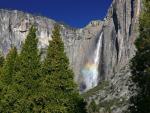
(76, 13)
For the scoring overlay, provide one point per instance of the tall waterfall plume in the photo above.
(90, 71)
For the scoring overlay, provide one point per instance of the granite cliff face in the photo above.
(15, 25)
(117, 31)
(120, 29)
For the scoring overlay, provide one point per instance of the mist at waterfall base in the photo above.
(90, 72)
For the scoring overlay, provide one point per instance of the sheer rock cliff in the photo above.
(119, 29)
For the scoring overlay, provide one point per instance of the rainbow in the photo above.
(90, 75)
(90, 70)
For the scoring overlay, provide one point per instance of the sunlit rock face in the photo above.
(120, 30)
(14, 27)
(116, 44)
(98, 52)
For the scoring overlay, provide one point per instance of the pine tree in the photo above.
(140, 65)
(26, 88)
(8, 71)
(28, 77)
(58, 79)
(19, 96)
(30, 59)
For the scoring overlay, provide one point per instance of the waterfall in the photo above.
(97, 51)
(90, 71)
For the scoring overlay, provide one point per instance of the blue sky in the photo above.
(76, 13)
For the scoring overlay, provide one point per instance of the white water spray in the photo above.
(90, 71)
(97, 51)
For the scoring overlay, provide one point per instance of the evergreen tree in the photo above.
(28, 76)
(58, 79)
(8, 71)
(30, 60)
(19, 96)
(140, 65)
(26, 88)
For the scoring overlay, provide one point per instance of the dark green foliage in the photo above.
(25, 87)
(1, 61)
(27, 78)
(8, 71)
(140, 66)
(58, 79)
(22, 75)
(29, 60)
(10, 66)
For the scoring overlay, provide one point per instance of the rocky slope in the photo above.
(120, 31)
(117, 47)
